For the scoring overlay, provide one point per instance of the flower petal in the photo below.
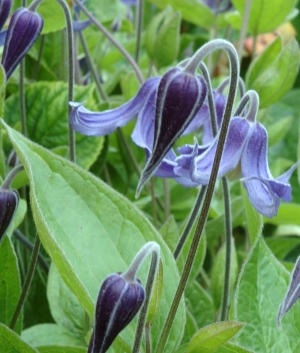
(238, 133)
(103, 123)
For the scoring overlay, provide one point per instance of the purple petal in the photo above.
(238, 133)
(293, 292)
(103, 123)
(80, 25)
(5, 7)
(264, 196)
(129, 2)
(2, 37)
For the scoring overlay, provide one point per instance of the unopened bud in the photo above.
(5, 6)
(9, 200)
(24, 28)
(118, 302)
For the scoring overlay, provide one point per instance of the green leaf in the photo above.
(53, 15)
(200, 304)
(12, 343)
(64, 306)
(278, 130)
(208, 339)
(190, 327)
(10, 288)
(288, 213)
(218, 273)
(167, 42)
(232, 348)
(262, 286)
(191, 11)
(253, 219)
(273, 73)
(47, 118)
(47, 334)
(282, 246)
(265, 15)
(90, 231)
(61, 349)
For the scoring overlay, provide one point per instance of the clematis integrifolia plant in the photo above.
(120, 297)
(24, 28)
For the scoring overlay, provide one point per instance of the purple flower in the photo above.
(117, 304)
(5, 6)
(245, 149)
(218, 6)
(24, 28)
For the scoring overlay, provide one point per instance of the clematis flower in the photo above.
(245, 151)
(218, 6)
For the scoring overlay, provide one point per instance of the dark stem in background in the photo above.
(110, 37)
(27, 282)
(167, 198)
(147, 338)
(28, 244)
(139, 27)
(40, 54)
(192, 66)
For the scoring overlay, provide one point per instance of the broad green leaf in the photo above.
(274, 71)
(232, 348)
(12, 343)
(261, 288)
(208, 339)
(47, 118)
(48, 334)
(60, 349)
(192, 11)
(130, 85)
(265, 15)
(278, 130)
(53, 15)
(282, 246)
(190, 328)
(10, 288)
(288, 213)
(253, 219)
(64, 306)
(218, 273)
(170, 233)
(90, 231)
(200, 304)
(167, 42)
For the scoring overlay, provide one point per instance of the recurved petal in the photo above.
(103, 123)
(238, 134)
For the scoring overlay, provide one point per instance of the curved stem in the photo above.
(71, 66)
(228, 237)
(234, 67)
(27, 282)
(253, 97)
(10, 177)
(139, 25)
(112, 40)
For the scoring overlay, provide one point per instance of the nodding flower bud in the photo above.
(9, 200)
(5, 6)
(24, 28)
(118, 302)
(180, 96)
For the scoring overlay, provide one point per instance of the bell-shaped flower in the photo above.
(24, 28)
(118, 302)
(245, 150)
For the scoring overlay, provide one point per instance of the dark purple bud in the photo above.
(180, 95)
(9, 200)
(293, 293)
(5, 6)
(24, 28)
(219, 6)
(117, 304)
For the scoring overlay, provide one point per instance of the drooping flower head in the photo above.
(24, 28)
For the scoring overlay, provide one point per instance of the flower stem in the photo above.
(22, 99)
(27, 282)
(71, 66)
(167, 198)
(139, 25)
(234, 68)
(112, 40)
(228, 237)
(10, 177)
(243, 30)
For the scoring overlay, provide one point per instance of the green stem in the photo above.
(154, 208)
(243, 30)
(139, 26)
(112, 40)
(148, 338)
(228, 237)
(22, 99)
(27, 282)
(167, 198)
(10, 177)
(234, 66)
